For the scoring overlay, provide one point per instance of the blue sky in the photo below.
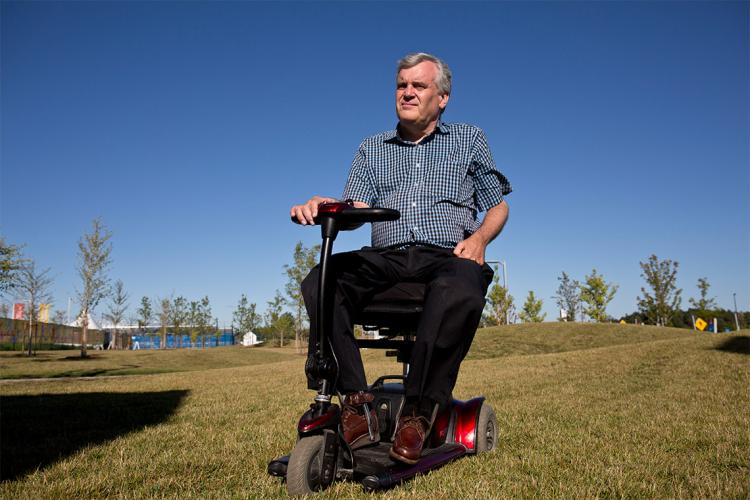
(190, 128)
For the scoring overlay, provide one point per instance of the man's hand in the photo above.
(306, 213)
(472, 248)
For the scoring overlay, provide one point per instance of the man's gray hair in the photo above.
(444, 76)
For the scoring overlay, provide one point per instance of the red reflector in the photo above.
(332, 208)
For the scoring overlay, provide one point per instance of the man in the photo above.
(438, 175)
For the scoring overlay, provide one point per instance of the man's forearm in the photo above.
(493, 222)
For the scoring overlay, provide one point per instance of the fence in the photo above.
(14, 334)
(181, 341)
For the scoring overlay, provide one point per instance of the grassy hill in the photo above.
(543, 338)
(584, 411)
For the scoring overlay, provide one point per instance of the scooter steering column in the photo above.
(327, 368)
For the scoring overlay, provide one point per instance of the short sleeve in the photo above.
(490, 185)
(359, 186)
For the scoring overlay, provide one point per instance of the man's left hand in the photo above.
(471, 248)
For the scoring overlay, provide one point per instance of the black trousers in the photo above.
(454, 300)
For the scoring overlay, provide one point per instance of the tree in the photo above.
(245, 316)
(145, 314)
(33, 286)
(568, 297)
(192, 320)
(596, 294)
(116, 312)
(94, 250)
(704, 303)
(165, 307)
(59, 317)
(499, 304)
(273, 316)
(205, 319)
(178, 314)
(531, 309)
(304, 261)
(659, 305)
(10, 264)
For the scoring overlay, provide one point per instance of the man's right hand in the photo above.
(306, 213)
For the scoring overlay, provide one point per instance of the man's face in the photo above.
(418, 100)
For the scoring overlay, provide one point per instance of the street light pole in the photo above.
(505, 283)
(736, 319)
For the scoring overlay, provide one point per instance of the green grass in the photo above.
(639, 412)
(54, 364)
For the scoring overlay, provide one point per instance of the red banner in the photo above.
(18, 310)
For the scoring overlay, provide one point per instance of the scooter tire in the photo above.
(486, 434)
(303, 474)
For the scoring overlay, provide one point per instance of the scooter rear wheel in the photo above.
(304, 472)
(486, 434)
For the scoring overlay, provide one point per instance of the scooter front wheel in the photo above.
(306, 472)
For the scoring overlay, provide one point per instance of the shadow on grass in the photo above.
(38, 430)
(739, 345)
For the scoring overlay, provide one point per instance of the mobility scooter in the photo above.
(321, 454)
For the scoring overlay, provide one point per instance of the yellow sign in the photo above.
(700, 324)
(623, 322)
(44, 313)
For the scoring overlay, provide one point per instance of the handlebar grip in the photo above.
(349, 216)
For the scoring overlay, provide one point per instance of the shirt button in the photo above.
(414, 204)
(417, 165)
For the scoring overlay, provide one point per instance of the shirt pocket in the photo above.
(451, 182)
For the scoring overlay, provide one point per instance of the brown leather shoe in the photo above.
(410, 438)
(354, 420)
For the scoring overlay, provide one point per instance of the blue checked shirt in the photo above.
(438, 185)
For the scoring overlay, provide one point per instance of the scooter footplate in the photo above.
(376, 470)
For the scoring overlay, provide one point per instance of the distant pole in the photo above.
(736, 319)
(505, 283)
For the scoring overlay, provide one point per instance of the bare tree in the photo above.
(704, 303)
(59, 317)
(94, 250)
(568, 297)
(116, 311)
(33, 287)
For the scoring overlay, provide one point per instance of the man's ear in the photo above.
(444, 101)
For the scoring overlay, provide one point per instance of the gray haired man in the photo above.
(439, 176)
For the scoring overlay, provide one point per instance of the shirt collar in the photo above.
(392, 135)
